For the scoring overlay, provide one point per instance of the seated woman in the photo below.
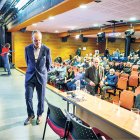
(69, 77)
(109, 82)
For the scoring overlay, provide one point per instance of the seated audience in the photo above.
(112, 65)
(104, 62)
(116, 54)
(127, 68)
(79, 76)
(106, 70)
(120, 67)
(58, 60)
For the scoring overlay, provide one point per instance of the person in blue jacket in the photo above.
(110, 82)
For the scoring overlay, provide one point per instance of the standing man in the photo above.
(92, 77)
(38, 61)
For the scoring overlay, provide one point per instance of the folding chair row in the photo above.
(70, 127)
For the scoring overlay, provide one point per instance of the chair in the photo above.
(127, 99)
(78, 130)
(133, 81)
(135, 67)
(111, 91)
(122, 84)
(135, 73)
(125, 75)
(56, 120)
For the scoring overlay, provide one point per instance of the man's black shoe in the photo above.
(38, 120)
(28, 120)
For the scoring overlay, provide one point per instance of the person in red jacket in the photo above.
(4, 54)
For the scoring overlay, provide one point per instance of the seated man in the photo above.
(127, 68)
(110, 82)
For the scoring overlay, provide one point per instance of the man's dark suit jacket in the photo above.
(91, 76)
(39, 68)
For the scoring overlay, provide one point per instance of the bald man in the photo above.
(38, 62)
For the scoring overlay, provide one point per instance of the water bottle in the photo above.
(78, 85)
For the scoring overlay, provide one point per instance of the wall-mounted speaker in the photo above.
(84, 39)
(101, 37)
(64, 39)
(111, 39)
(133, 40)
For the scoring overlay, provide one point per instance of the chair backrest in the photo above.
(137, 91)
(135, 67)
(79, 131)
(127, 99)
(133, 80)
(135, 73)
(125, 75)
(122, 83)
(56, 115)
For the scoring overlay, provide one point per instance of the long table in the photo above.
(115, 121)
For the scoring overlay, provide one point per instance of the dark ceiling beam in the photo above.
(58, 9)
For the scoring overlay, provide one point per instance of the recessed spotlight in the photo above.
(132, 19)
(56, 31)
(77, 36)
(95, 25)
(34, 24)
(50, 18)
(83, 6)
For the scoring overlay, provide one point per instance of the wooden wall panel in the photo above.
(119, 43)
(19, 41)
(135, 46)
(57, 47)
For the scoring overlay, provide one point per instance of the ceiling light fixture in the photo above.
(83, 6)
(132, 19)
(95, 25)
(34, 24)
(56, 31)
(50, 18)
(77, 36)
